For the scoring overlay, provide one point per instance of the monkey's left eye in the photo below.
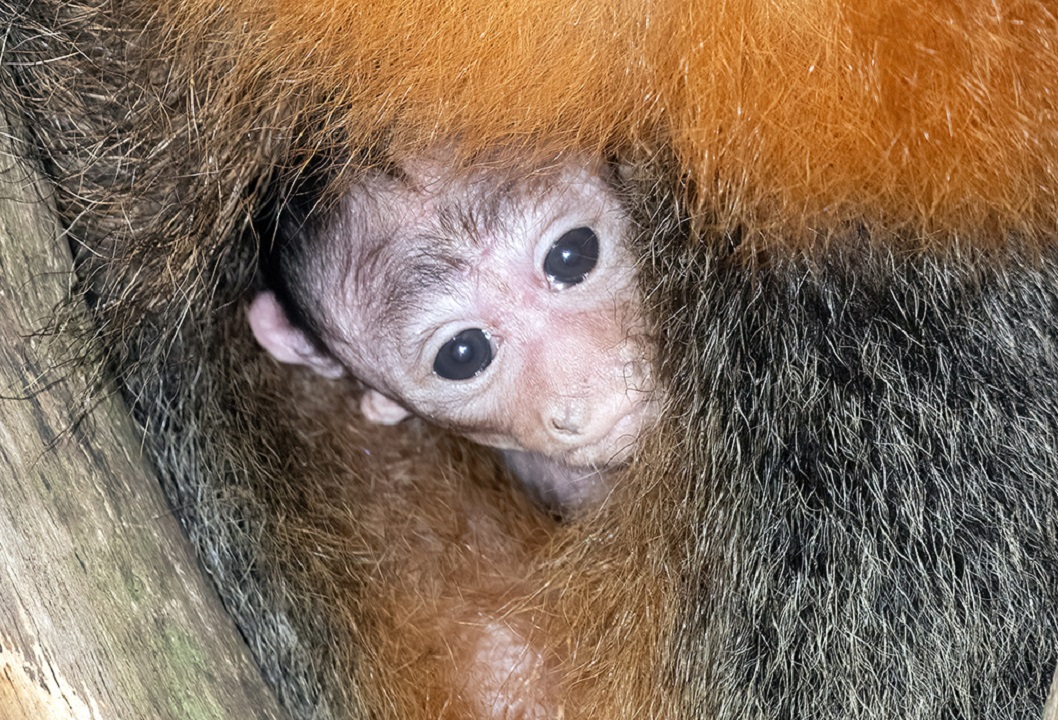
(572, 257)
(464, 356)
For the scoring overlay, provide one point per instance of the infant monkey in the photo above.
(500, 304)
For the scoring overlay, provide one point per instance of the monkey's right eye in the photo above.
(464, 356)
(572, 257)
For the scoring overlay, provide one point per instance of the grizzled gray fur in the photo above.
(874, 442)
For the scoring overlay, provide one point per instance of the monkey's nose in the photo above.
(568, 418)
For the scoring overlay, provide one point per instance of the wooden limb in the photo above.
(104, 612)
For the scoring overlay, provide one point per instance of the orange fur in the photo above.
(420, 551)
(787, 117)
(930, 114)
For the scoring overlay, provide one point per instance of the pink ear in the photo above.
(379, 409)
(283, 341)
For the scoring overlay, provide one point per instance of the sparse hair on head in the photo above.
(320, 241)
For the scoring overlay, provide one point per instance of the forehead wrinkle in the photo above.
(390, 281)
(426, 273)
(394, 272)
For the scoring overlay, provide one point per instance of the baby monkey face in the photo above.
(536, 342)
(501, 305)
(519, 319)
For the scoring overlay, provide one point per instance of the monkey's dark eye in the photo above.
(464, 356)
(572, 256)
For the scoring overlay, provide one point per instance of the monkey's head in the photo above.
(500, 304)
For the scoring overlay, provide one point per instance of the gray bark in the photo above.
(104, 612)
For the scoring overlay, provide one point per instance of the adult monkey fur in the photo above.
(855, 515)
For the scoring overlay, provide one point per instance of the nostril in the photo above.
(568, 419)
(559, 425)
